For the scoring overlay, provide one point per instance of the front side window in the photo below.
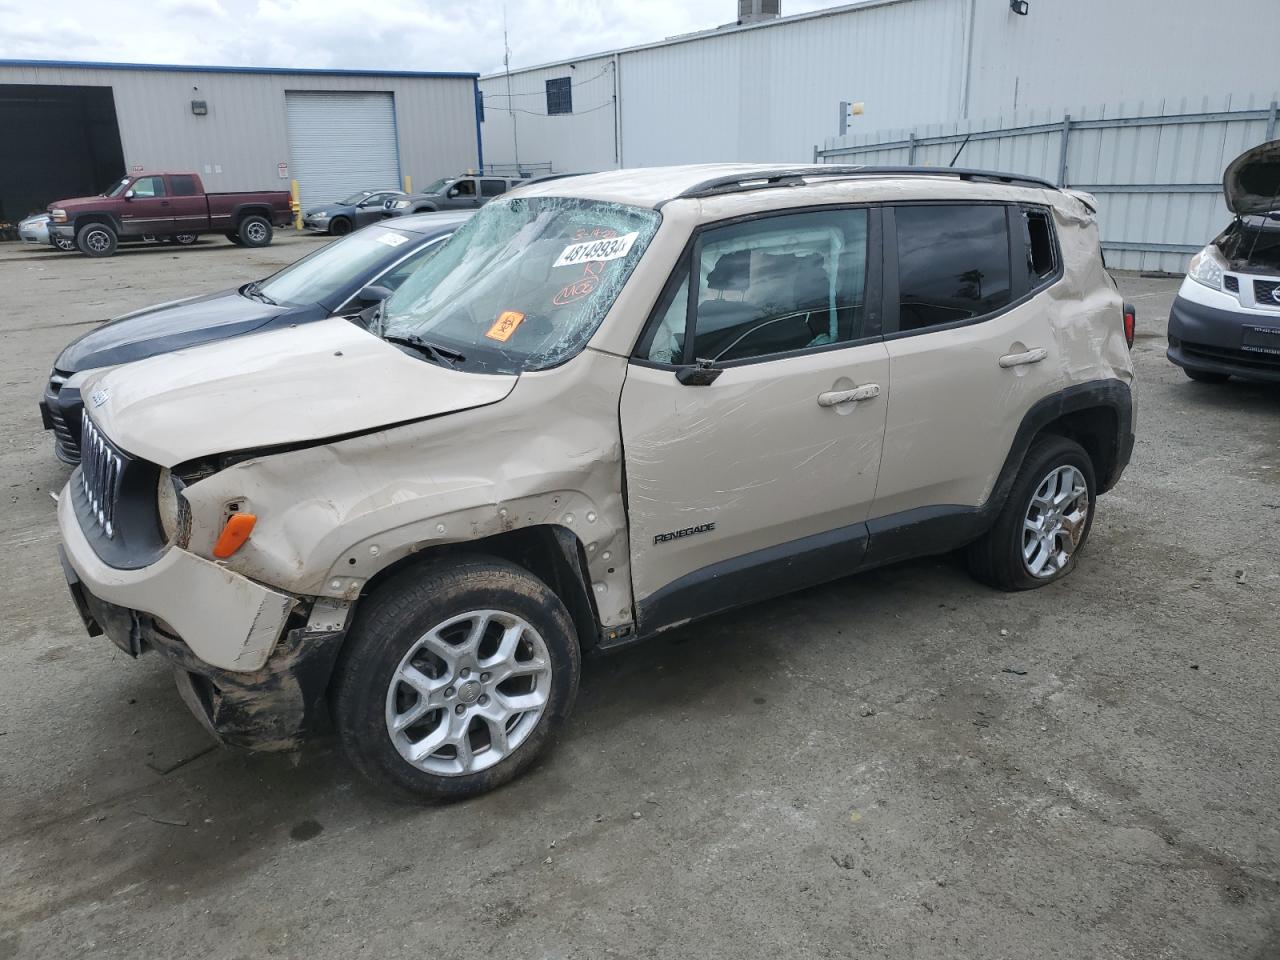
(771, 286)
(394, 278)
(464, 188)
(493, 188)
(559, 96)
(147, 187)
(524, 283)
(184, 185)
(953, 263)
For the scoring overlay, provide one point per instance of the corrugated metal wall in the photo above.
(1154, 168)
(572, 143)
(244, 136)
(772, 91)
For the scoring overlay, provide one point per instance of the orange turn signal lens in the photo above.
(234, 534)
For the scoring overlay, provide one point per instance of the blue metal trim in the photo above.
(182, 68)
(475, 86)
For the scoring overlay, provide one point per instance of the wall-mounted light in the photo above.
(1020, 7)
(200, 107)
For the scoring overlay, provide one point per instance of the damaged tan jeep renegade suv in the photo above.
(611, 405)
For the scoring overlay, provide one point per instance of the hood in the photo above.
(74, 203)
(1251, 183)
(167, 327)
(289, 386)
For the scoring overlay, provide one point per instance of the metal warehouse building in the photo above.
(1176, 99)
(70, 129)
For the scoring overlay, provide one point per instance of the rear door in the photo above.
(146, 209)
(970, 350)
(752, 473)
(492, 187)
(187, 203)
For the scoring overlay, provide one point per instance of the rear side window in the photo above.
(953, 263)
(183, 186)
(1042, 260)
(492, 188)
(771, 286)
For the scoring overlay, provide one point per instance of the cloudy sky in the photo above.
(388, 34)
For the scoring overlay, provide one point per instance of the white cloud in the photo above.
(376, 34)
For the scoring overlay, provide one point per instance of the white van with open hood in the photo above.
(1225, 320)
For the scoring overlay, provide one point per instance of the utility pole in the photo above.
(506, 64)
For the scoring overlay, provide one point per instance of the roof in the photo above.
(186, 68)
(726, 30)
(655, 186)
(429, 223)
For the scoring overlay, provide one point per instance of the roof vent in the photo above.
(754, 11)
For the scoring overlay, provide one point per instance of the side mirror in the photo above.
(374, 293)
(128, 194)
(701, 374)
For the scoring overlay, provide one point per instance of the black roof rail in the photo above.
(795, 176)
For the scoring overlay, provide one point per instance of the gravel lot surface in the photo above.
(903, 764)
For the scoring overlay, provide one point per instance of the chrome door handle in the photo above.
(1018, 359)
(835, 397)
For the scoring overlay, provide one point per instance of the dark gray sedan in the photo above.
(339, 279)
(342, 216)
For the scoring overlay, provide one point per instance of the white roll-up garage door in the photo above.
(341, 142)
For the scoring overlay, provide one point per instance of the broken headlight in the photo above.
(173, 509)
(1207, 267)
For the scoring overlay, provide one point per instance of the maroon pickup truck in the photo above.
(170, 206)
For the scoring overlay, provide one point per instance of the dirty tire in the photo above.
(389, 624)
(1205, 376)
(339, 226)
(255, 231)
(233, 237)
(96, 240)
(996, 559)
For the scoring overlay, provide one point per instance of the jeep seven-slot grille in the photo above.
(100, 468)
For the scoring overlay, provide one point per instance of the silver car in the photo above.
(35, 229)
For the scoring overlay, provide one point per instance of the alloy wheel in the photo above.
(468, 693)
(1055, 521)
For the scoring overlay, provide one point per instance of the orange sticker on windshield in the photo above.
(505, 325)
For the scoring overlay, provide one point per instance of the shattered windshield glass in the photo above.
(523, 284)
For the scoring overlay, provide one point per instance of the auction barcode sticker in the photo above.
(593, 251)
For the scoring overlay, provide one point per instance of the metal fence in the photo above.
(1156, 172)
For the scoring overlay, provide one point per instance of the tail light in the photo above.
(1130, 324)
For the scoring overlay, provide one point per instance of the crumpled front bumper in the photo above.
(249, 665)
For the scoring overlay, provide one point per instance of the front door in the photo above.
(462, 194)
(758, 481)
(147, 211)
(369, 210)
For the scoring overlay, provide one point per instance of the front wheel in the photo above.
(184, 239)
(96, 240)
(1045, 521)
(454, 678)
(255, 231)
(339, 226)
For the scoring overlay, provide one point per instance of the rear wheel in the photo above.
(1205, 376)
(339, 226)
(255, 231)
(454, 678)
(1045, 521)
(96, 240)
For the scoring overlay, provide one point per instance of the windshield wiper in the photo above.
(251, 290)
(448, 358)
